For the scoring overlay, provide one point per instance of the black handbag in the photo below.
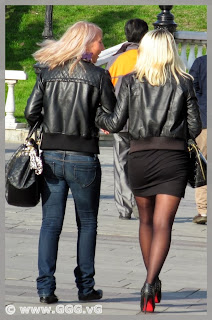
(22, 173)
(197, 176)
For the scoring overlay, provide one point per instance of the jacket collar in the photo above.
(127, 46)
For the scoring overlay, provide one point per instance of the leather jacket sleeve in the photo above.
(193, 114)
(114, 122)
(33, 110)
(108, 98)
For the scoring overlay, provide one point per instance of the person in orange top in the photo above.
(122, 63)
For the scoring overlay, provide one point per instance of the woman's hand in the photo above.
(105, 131)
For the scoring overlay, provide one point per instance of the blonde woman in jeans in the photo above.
(65, 99)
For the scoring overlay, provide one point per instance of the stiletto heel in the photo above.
(158, 291)
(148, 298)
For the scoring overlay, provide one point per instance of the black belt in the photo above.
(80, 153)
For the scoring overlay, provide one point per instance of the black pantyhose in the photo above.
(156, 214)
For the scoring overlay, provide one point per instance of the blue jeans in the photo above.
(82, 174)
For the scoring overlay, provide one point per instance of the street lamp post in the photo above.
(165, 19)
(47, 34)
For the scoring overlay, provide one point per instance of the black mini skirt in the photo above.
(153, 172)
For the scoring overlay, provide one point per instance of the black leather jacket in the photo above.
(170, 112)
(66, 105)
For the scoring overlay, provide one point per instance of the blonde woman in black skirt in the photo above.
(159, 100)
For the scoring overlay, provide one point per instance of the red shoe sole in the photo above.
(156, 299)
(149, 306)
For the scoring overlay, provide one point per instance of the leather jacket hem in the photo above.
(150, 143)
(59, 141)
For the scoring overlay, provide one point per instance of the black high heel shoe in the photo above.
(158, 290)
(148, 298)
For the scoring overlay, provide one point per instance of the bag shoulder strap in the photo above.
(32, 130)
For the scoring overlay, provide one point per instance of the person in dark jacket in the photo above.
(159, 101)
(199, 72)
(65, 99)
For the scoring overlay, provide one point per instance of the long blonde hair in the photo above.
(71, 45)
(158, 58)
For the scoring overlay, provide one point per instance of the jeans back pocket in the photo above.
(85, 176)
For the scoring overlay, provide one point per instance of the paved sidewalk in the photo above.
(119, 268)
